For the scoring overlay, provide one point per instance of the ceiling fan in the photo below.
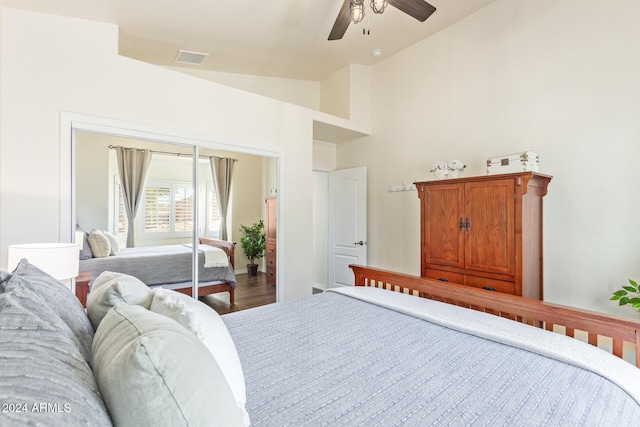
(353, 10)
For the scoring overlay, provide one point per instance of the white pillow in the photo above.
(110, 288)
(209, 327)
(153, 372)
(113, 242)
(99, 244)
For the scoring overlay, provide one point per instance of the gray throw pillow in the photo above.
(110, 288)
(4, 276)
(151, 371)
(57, 298)
(42, 363)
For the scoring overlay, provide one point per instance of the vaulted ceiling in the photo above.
(278, 38)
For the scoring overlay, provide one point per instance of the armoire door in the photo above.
(443, 240)
(490, 226)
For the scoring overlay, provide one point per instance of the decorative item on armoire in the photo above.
(526, 161)
(454, 167)
(440, 170)
(450, 169)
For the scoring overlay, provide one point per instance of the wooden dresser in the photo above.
(270, 230)
(484, 231)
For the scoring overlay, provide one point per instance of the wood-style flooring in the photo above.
(250, 292)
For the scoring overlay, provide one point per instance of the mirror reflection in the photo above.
(135, 201)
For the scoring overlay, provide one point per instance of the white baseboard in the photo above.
(319, 286)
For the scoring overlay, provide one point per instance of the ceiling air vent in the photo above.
(193, 58)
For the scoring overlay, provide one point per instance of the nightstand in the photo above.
(82, 286)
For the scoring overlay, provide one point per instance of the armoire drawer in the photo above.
(445, 276)
(270, 249)
(491, 284)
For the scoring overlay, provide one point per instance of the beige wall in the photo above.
(85, 75)
(305, 93)
(335, 94)
(556, 76)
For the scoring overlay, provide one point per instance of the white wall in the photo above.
(86, 75)
(335, 95)
(305, 93)
(324, 161)
(556, 76)
(320, 228)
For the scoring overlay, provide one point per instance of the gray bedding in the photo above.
(334, 360)
(158, 265)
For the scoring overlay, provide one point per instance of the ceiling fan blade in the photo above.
(419, 9)
(342, 22)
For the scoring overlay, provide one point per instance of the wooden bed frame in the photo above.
(525, 310)
(83, 279)
(229, 248)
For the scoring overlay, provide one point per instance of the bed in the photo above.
(169, 266)
(368, 356)
(385, 352)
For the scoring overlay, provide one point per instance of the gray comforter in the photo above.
(333, 360)
(158, 265)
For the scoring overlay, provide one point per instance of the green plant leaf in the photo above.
(624, 301)
(620, 293)
(630, 289)
(253, 240)
(633, 283)
(615, 298)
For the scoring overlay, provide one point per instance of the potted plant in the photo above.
(454, 167)
(629, 294)
(253, 243)
(440, 169)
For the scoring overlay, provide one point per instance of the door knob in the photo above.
(359, 243)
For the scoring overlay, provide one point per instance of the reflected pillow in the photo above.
(113, 242)
(85, 251)
(99, 244)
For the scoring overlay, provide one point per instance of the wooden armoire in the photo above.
(270, 231)
(484, 231)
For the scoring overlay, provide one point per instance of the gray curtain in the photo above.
(222, 170)
(132, 168)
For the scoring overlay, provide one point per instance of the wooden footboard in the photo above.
(229, 248)
(595, 325)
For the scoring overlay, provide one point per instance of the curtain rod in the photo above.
(113, 147)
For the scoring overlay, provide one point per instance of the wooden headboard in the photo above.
(525, 310)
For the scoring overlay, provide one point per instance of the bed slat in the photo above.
(525, 310)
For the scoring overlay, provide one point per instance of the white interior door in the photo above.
(347, 242)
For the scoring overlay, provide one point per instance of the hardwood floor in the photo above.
(250, 292)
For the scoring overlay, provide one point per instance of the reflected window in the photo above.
(167, 209)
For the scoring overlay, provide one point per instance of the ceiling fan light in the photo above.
(356, 10)
(378, 6)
